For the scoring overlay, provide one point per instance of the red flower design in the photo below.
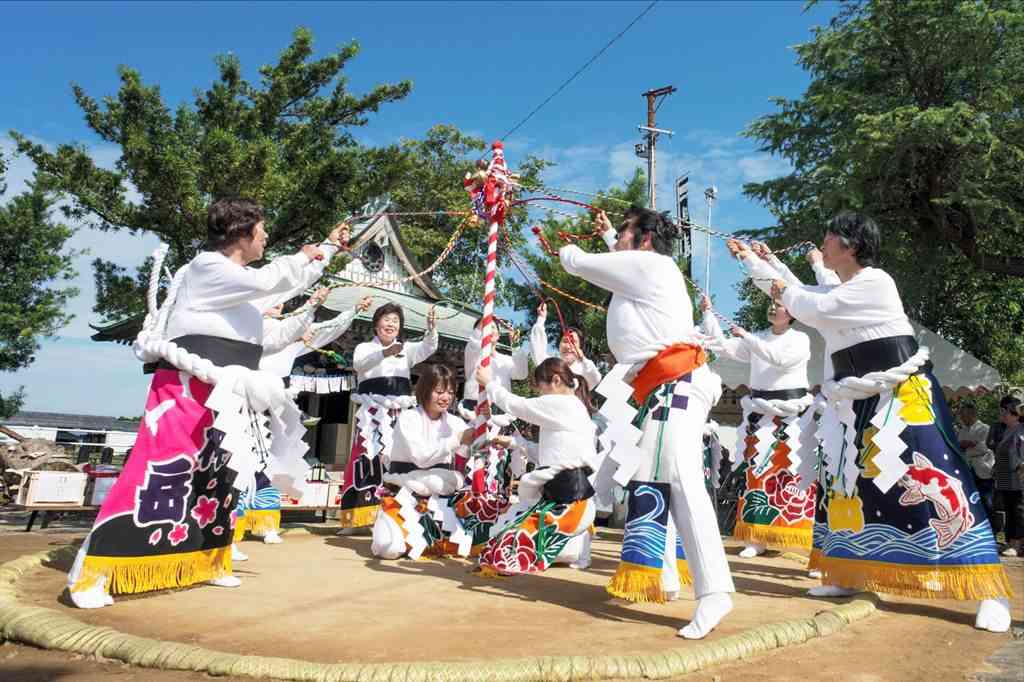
(485, 507)
(204, 511)
(178, 534)
(233, 519)
(514, 552)
(218, 530)
(784, 494)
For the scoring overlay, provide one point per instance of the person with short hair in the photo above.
(422, 461)
(168, 520)
(1008, 471)
(650, 328)
(972, 438)
(383, 368)
(900, 512)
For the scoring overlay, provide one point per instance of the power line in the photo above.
(579, 71)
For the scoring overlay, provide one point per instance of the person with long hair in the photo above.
(555, 498)
(383, 368)
(651, 330)
(899, 511)
(168, 521)
(422, 462)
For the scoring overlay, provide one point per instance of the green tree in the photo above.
(914, 116)
(35, 264)
(286, 142)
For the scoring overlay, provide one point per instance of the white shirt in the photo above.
(219, 297)
(426, 442)
(777, 361)
(369, 362)
(979, 455)
(506, 368)
(282, 338)
(539, 351)
(567, 435)
(865, 308)
(650, 308)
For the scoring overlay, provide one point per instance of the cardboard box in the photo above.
(52, 487)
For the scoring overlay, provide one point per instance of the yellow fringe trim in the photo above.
(359, 516)
(776, 537)
(129, 575)
(684, 572)
(263, 521)
(241, 526)
(637, 583)
(973, 582)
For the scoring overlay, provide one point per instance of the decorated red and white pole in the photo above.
(494, 204)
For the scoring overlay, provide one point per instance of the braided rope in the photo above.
(775, 407)
(873, 383)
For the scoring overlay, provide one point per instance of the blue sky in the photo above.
(480, 67)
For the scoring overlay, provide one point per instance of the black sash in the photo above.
(385, 386)
(877, 355)
(218, 350)
(781, 394)
(568, 486)
(409, 467)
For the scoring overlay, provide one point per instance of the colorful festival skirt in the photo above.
(427, 523)
(263, 514)
(486, 498)
(536, 537)
(774, 510)
(168, 521)
(901, 514)
(364, 472)
(638, 577)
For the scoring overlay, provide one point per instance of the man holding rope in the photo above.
(650, 326)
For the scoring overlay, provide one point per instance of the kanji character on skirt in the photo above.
(416, 516)
(775, 510)
(901, 513)
(383, 368)
(168, 520)
(555, 503)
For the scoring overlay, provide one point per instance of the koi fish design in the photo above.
(925, 483)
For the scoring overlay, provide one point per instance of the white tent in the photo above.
(958, 371)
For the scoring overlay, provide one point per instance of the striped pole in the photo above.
(494, 199)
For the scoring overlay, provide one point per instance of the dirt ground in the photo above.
(324, 598)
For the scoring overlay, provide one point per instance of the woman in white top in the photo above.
(422, 462)
(383, 369)
(283, 341)
(774, 510)
(167, 522)
(901, 513)
(570, 348)
(556, 495)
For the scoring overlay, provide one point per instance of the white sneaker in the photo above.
(225, 581)
(272, 538)
(237, 554)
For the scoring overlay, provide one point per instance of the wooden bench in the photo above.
(48, 508)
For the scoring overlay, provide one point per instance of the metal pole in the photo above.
(710, 194)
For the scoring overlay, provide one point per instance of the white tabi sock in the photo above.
(752, 550)
(225, 581)
(993, 615)
(237, 554)
(832, 591)
(711, 609)
(272, 538)
(94, 598)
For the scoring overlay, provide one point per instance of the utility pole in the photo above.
(646, 151)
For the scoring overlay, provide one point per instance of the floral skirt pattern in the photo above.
(537, 536)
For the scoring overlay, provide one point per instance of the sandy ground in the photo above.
(324, 598)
